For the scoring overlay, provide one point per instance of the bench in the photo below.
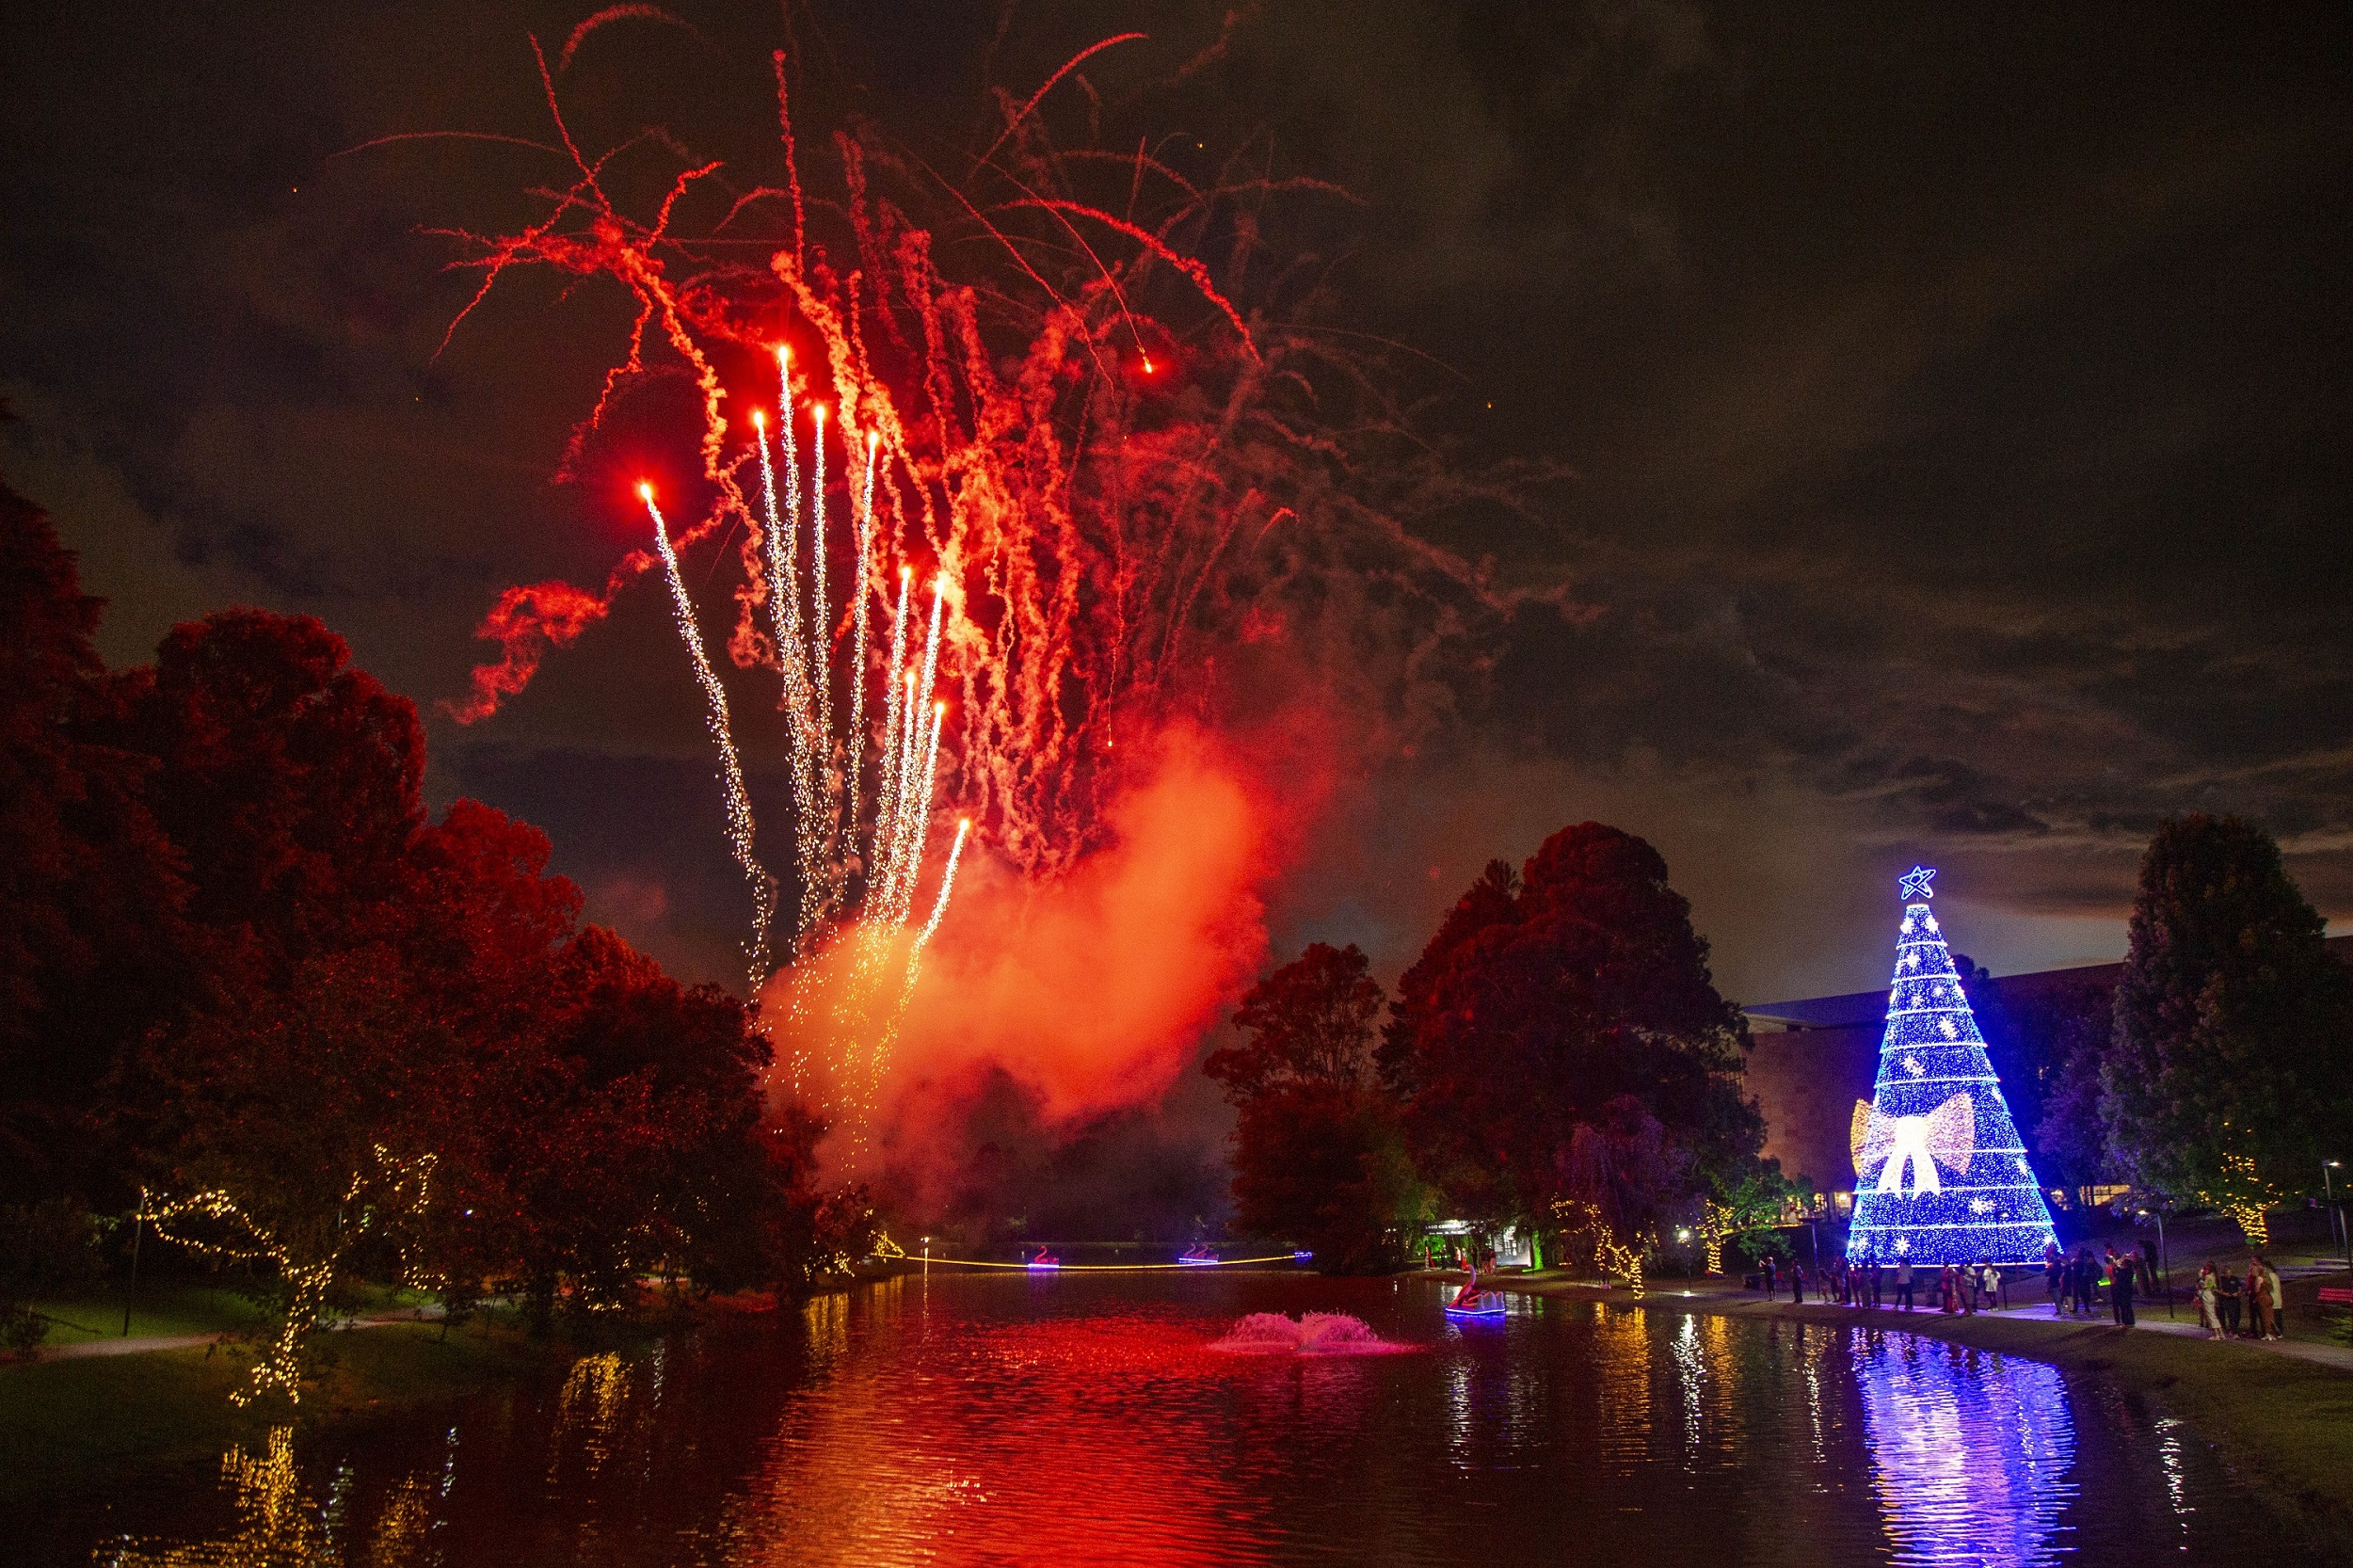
(2335, 1295)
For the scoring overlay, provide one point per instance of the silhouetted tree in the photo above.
(91, 942)
(2230, 1065)
(1572, 1003)
(1308, 1022)
(1319, 1158)
(290, 781)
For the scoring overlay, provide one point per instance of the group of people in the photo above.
(2079, 1286)
(2221, 1297)
(2075, 1282)
(1959, 1288)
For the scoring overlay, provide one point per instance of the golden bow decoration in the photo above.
(1946, 1135)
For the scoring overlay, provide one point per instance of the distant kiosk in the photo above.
(1941, 1175)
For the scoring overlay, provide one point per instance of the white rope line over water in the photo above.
(1103, 1268)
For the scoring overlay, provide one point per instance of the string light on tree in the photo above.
(397, 1191)
(1940, 1174)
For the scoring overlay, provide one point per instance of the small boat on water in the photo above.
(1199, 1256)
(1471, 1302)
(1044, 1260)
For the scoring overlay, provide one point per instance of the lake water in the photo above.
(1075, 1419)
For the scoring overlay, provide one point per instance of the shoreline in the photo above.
(2282, 1421)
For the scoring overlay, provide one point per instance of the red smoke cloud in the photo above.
(1095, 985)
(1093, 988)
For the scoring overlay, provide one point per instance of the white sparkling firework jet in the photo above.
(739, 827)
(834, 845)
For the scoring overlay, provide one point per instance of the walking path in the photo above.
(86, 1349)
(2338, 1356)
(1748, 1304)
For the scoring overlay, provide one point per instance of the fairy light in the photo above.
(1941, 1175)
(1622, 1258)
(402, 1188)
(2241, 1192)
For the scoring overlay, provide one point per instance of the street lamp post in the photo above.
(2336, 1215)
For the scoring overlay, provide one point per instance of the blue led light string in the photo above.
(1941, 1175)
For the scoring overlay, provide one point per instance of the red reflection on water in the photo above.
(1124, 1438)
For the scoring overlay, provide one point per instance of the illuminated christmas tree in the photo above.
(1940, 1174)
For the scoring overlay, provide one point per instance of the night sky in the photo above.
(1953, 411)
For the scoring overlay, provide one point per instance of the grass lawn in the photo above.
(170, 1308)
(82, 1422)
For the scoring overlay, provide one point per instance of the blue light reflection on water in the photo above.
(1973, 1455)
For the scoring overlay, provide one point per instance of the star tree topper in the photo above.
(1915, 883)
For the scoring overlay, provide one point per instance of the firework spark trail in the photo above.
(905, 845)
(819, 617)
(854, 772)
(864, 1015)
(740, 826)
(784, 615)
(888, 784)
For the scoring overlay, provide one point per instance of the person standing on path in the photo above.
(2079, 1284)
(2054, 1274)
(2258, 1301)
(2121, 1293)
(1797, 1285)
(1771, 1285)
(2209, 1316)
(2279, 1299)
(2228, 1296)
(1903, 1283)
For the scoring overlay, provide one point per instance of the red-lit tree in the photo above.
(92, 947)
(1561, 1039)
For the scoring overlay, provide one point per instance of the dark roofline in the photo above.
(1869, 1009)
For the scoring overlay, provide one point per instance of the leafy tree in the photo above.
(2047, 1043)
(240, 966)
(1740, 1203)
(1308, 1022)
(2230, 1065)
(1323, 1167)
(91, 942)
(1555, 1017)
(1320, 1159)
(290, 781)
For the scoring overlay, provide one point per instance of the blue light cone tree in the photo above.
(1941, 1175)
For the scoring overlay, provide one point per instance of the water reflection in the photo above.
(1081, 1423)
(278, 1525)
(1973, 1452)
